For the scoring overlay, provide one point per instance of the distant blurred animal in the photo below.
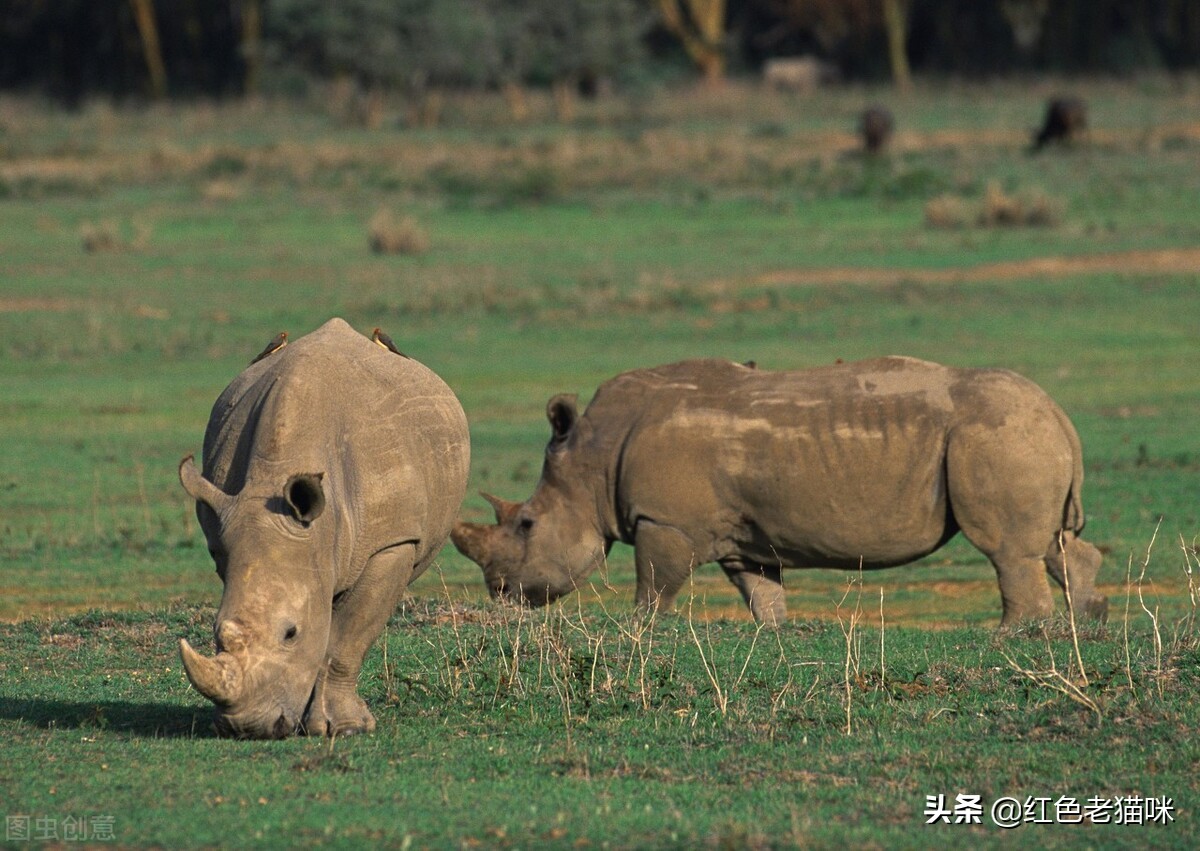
(875, 126)
(277, 343)
(1065, 122)
(798, 73)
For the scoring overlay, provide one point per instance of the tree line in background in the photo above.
(73, 49)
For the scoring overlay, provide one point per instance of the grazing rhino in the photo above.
(333, 470)
(875, 127)
(876, 463)
(1065, 122)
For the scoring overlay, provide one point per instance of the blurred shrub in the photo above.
(391, 235)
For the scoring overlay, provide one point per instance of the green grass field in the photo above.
(670, 226)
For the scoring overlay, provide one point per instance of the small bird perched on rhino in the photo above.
(379, 338)
(856, 466)
(333, 472)
(277, 343)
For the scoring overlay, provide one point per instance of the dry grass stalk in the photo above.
(1153, 615)
(721, 694)
(853, 652)
(389, 235)
(1071, 609)
(1190, 553)
(1054, 679)
(882, 657)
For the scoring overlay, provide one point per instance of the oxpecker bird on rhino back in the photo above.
(333, 471)
(870, 464)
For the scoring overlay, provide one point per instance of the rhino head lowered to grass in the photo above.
(875, 463)
(333, 470)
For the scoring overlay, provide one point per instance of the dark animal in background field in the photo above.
(277, 343)
(857, 465)
(1065, 122)
(379, 338)
(875, 126)
(332, 474)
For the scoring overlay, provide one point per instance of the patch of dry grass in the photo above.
(997, 208)
(111, 236)
(389, 234)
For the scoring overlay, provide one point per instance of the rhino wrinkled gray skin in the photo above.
(333, 470)
(875, 463)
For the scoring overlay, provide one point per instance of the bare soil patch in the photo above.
(1169, 261)
(37, 305)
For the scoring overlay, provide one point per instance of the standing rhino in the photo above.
(333, 470)
(876, 463)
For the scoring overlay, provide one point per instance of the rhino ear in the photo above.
(562, 413)
(305, 496)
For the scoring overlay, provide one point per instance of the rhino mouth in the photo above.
(533, 596)
(240, 727)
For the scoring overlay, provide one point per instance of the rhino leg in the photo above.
(762, 589)
(336, 708)
(1006, 486)
(1075, 565)
(665, 558)
(1023, 588)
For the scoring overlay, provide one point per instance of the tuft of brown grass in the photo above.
(108, 235)
(1000, 208)
(100, 237)
(220, 190)
(997, 208)
(948, 212)
(390, 235)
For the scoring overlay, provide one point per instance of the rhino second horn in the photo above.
(200, 488)
(505, 510)
(218, 679)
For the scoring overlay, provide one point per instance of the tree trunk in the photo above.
(564, 100)
(514, 96)
(251, 44)
(701, 31)
(143, 15)
(895, 18)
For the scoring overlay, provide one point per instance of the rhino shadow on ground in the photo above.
(143, 720)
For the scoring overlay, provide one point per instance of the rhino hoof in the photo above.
(1097, 608)
(348, 718)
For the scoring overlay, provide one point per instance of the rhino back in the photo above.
(814, 466)
(389, 435)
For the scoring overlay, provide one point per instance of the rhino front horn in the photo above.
(219, 679)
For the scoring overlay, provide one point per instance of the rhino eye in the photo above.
(290, 634)
(524, 524)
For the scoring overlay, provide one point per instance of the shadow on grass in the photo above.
(146, 720)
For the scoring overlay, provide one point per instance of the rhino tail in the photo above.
(1073, 517)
